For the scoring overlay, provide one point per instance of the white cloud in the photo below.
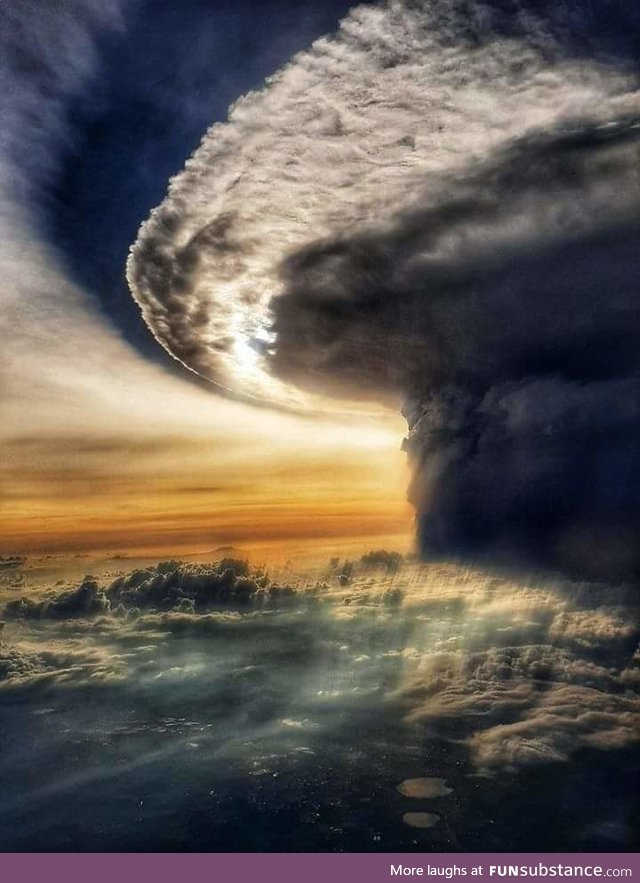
(358, 127)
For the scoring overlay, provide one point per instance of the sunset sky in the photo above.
(105, 452)
(108, 445)
(240, 476)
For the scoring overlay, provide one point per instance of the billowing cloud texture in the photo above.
(439, 202)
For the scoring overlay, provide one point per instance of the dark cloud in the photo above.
(506, 312)
(86, 600)
(198, 587)
(441, 203)
(380, 558)
(173, 585)
(490, 281)
(17, 664)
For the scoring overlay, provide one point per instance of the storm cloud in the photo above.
(508, 313)
(438, 204)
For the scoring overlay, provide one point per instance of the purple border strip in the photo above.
(312, 867)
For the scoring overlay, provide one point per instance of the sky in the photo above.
(109, 445)
(284, 284)
(243, 244)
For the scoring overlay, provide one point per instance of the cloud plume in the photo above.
(440, 203)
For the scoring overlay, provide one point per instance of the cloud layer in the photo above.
(521, 673)
(508, 710)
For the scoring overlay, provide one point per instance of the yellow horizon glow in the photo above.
(102, 449)
(293, 481)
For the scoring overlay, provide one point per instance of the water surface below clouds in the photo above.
(440, 724)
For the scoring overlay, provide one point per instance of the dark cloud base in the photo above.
(506, 311)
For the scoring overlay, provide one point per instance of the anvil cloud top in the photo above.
(439, 202)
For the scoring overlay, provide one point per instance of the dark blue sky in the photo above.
(162, 83)
(167, 77)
